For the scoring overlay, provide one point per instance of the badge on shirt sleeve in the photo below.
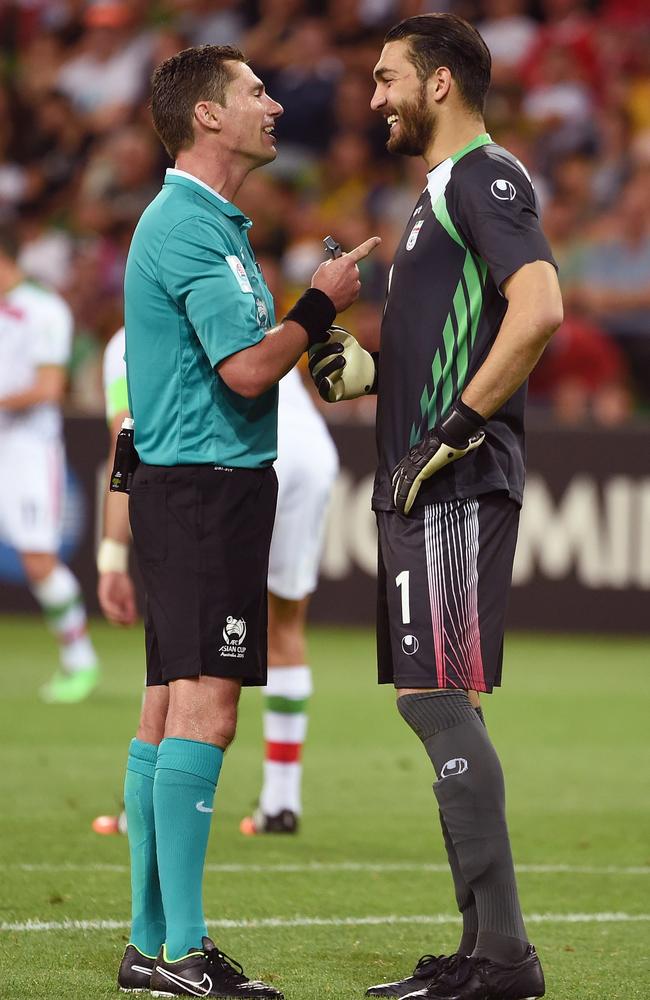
(239, 271)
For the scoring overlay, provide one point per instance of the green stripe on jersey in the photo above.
(286, 706)
(459, 331)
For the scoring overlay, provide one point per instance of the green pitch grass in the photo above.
(571, 725)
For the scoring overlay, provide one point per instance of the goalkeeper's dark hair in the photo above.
(201, 73)
(436, 40)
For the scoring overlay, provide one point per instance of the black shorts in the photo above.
(443, 584)
(201, 536)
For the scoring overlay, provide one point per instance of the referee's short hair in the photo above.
(436, 40)
(198, 74)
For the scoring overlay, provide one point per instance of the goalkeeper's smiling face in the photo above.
(402, 98)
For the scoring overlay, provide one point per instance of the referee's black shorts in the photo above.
(201, 536)
(443, 584)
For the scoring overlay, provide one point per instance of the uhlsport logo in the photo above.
(455, 766)
(503, 190)
(410, 644)
(234, 633)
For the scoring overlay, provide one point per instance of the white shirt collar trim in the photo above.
(175, 172)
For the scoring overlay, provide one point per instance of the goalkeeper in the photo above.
(472, 301)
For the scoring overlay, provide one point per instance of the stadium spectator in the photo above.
(613, 282)
(540, 51)
(509, 33)
(106, 75)
(583, 375)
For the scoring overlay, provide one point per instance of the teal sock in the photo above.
(183, 794)
(147, 915)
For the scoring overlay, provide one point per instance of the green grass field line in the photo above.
(362, 891)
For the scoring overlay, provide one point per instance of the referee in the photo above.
(203, 361)
(472, 301)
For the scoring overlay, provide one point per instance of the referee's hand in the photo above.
(339, 279)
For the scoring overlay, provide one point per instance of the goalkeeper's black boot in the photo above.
(428, 969)
(483, 979)
(135, 971)
(207, 973)
(286, 821)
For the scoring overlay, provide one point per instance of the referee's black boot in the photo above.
(135, 971)
(483, 979)
(428, 969)
(207, 973)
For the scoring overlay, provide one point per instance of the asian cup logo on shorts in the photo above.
(453, 767)
(234, 633)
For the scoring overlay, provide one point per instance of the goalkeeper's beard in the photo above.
(417, 127)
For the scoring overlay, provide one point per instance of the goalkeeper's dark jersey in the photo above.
(476, 223)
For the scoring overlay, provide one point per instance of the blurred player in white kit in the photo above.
(36, 329)
(306, 468)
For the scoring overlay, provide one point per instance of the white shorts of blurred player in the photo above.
(32, 471)
(306, 468)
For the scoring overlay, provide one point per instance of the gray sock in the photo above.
(471, 797)
(464, 895)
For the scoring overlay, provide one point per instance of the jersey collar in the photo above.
(481, 140)
(175, 176)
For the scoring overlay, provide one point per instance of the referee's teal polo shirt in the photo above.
(193, 296)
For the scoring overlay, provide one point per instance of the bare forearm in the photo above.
(334, 286)
(253, 371)
(533, 315)
(514, 354)
(47, 387)
(116, 514)
(18, 401)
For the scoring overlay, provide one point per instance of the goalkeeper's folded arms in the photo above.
(341, 368)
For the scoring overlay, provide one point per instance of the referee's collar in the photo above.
(175, 176)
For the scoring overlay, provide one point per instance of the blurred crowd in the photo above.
(570, 97)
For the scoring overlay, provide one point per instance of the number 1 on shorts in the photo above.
(402, 581)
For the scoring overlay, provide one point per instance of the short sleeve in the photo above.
(52, 326)
(209, 282)
(494, 207)
(116, 396)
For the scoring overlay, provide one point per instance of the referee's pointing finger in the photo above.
(364, 249)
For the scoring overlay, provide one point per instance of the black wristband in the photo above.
(459, 425)
(315, 313)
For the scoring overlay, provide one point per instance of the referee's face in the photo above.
(249, 117)
(402, 99)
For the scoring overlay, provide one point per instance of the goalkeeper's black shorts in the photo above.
(201, 537)
(443, 583)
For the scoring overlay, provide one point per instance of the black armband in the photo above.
(315, 313)
(460, 424)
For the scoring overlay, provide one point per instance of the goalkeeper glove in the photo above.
(341, 368)
(459, 433)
